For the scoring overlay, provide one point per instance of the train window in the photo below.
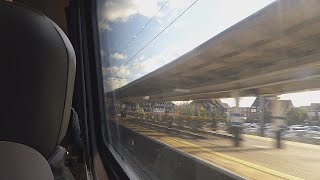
(204, 89)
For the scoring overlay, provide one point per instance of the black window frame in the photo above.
(88, 91)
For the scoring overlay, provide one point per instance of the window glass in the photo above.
(200, 89)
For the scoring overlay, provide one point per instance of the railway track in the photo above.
(196, 133)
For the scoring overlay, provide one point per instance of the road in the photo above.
(255, 159)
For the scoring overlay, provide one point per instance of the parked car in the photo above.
(297, 129)
(314, 130)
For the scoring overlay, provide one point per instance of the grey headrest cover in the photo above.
(18, 161)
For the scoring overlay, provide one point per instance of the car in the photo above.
(252, 129)
(297, 130)
(211, 126)
(314, 128)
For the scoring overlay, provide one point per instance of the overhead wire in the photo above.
(146, 45)
(143, 27)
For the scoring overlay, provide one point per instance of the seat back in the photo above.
(37, 71)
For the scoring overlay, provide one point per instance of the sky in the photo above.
(139, 36)
(298, 99)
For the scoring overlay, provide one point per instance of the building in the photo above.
(281, 106)
(210, 105)
(313, 111)
(243, 111)
(158, 106)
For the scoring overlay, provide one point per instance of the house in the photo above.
(157, 106)
(243, 111)
(313, 111)
(278, 107)
(210, 105)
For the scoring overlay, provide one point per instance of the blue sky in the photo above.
(121, 20)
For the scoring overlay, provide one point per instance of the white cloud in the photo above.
(302, 98)
(147, 65)
(111, 84)
(118, 56)
(167, 55)
(179, 24)
(177, 4)
(116, 10)
(122, 71)
(103, 25)
(148, 8)
(244, 101)
(122, 10)
(172, 52)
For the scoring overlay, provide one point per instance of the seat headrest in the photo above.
(37, 71)
(21, 162)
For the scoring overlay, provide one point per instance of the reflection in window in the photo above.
(225, 88)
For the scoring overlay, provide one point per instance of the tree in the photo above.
(202, 112)
(250, 120)
(186, 109)
(296, 116)
(267, 115)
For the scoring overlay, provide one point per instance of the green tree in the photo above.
(296, 116)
